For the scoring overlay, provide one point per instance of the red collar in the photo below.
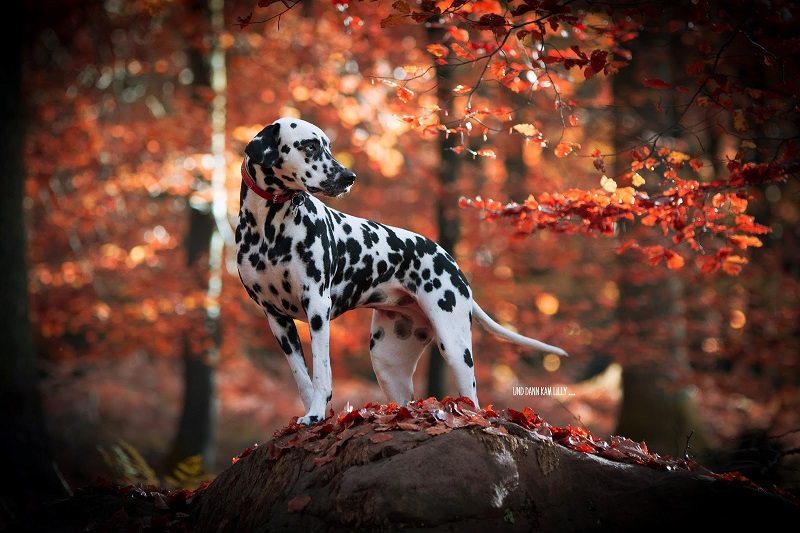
(251, 183)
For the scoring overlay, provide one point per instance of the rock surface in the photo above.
(432, 466)
(359, 474)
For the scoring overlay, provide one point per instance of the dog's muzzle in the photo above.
(342, 184)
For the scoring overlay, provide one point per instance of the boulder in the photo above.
(444, 466)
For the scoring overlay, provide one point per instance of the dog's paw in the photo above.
(309, 420)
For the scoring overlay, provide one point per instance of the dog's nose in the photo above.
(349, 177)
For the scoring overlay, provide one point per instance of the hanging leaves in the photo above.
(528, 130)
(685, 212)
(405, 94)
(438, 50)
(563, 149)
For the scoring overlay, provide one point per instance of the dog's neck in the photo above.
(268, 196)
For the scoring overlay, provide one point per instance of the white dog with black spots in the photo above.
(299, 259)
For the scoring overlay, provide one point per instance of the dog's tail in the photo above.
(496, 329)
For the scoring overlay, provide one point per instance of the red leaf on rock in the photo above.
(499, 431)
(298, 503)
(380, 437)
(526, 418)
(438, 430)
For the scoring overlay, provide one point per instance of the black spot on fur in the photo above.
(257, 262)
(285, 345)
(442, 264)
(375, 298)
(405, 300)
(375, 337)
(468, 358)
(448, 301)
(316, 322)
(402, 328)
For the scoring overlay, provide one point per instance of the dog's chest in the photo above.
(282, 256)
(267, 244)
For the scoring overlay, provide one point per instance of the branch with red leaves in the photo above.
(708, 217)
(534, 48)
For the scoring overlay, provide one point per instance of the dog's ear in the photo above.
(263, 149)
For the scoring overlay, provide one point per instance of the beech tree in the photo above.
(26, 454)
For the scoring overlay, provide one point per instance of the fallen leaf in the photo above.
(492, 430)
(438, 430)
(298, 503)
(380, 437)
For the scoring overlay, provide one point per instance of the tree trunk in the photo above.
(651, 313)
(198, 420)
(29, 473)
(446, 206)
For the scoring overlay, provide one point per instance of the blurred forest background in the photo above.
(133, 118)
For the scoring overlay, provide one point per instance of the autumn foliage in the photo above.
(690, 169)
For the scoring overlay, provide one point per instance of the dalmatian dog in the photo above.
(299, 259)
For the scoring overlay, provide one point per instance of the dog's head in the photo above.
(294, 155)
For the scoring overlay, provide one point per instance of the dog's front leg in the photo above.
(286, 334)
(318, 314)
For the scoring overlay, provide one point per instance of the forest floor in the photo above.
(137, 400)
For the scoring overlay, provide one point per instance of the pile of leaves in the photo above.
(436, 417)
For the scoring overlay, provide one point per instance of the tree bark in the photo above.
(651, 312)
(29, 473)
(446, 205)
(198, 420)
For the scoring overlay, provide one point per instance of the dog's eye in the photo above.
(311, 149)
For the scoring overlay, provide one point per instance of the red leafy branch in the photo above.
(686, 211)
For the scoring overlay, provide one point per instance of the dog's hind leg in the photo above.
(286, 334)
(396, 343)
(454, 332)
